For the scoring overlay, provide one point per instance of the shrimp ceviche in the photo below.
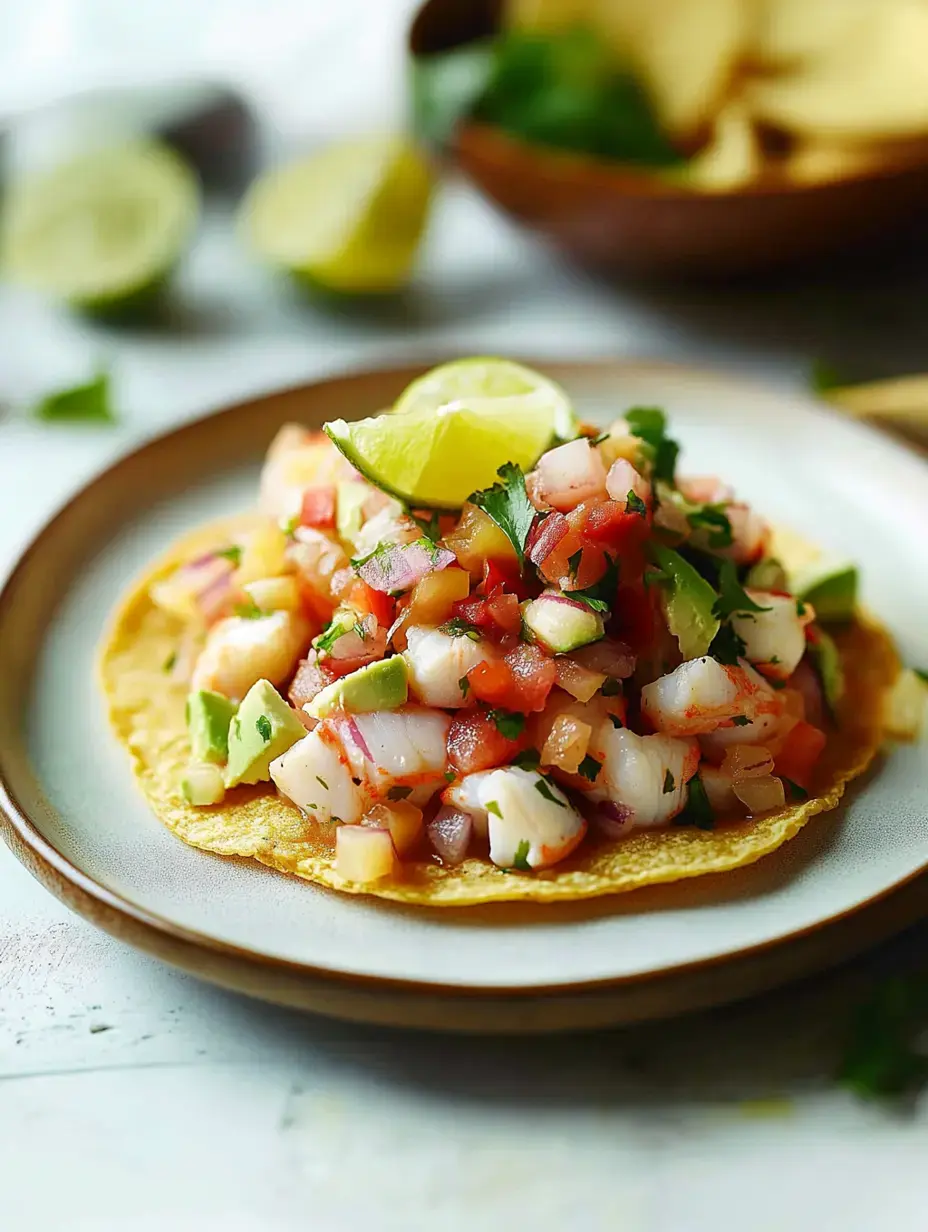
(472, 649)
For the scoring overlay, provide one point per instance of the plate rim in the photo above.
(153, 932)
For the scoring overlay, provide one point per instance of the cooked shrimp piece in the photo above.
(702, 695)
(569, 474)
(645, 776)
(296, 460)
(390, 748)
(705, 490)
(240, 651)
(622, 479)
(438, 662)
(531, 823)
(314, 773)
(774, 639)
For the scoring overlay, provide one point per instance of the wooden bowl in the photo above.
(620, 218)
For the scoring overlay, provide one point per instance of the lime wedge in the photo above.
(435, 458)
(487, 378)
(348, 219)
(103, 231)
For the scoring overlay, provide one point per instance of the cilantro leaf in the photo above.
(232, 553)
(89, 403)
(713, 520)
(329, 636)
(508, 505)
(509, 723)
(492, 806)
(289, 525)
(170, 662)
(732, 595)
(573, 562)
(248, 611)
(457, 626)
(727, 647)
(541, 786)
(616, 721)
(464, 686)
(669, 784)
(520, 859)
(634, 504)
(649, 424)
(741, 720)
(590, 768)
(322, 782)
(527, 759)
(601, 595)
(429, 526)
(398, 793)
(799, 792)
(263, 724)
(698, 811)
(881, 1057)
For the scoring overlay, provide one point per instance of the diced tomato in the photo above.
(378, 604)
(800, 752)
(492, 681)
(575, 563)
(474, 610)
(503, 576)
(475, 743)
(504, 610)
(318, 508)
(636, 616)
(535, 676)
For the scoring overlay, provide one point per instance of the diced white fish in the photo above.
(388, 525)
(437, 663)
(388, 748)
(314, 773)
(240, 651)
(774, 639)
(296, 460)
(702, 694)
(529, 820)
(647, 777)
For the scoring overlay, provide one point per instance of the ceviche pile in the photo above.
(589, 645)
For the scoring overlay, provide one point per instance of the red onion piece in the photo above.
(213, 599)
(546, 533)
(607, 655)
(449, 833)
(311, 677)
(357, 737)
(398, 566)
(611, 819)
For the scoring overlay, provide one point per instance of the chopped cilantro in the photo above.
(398, 793)
(713, 520)
(170, 662)
(799, 792)
(232, 553)
(598, 440)
(727, 646)
(741, 720)
(89, 403)
(616, 721)
(698, 811)
(611, 687)
(464, 686)
(601, 596)
(573, 562)
(882, 1058)
(773, 660)
(358, 628)
(289, 525)
(329, 636)
(509, 723)
(429, 526)
(321, 781)
(527, 759)
(493, 807)
(263, 724)
(248, 611)
(634, 504)
(457, 626)
(543, 789)
(508, 505)
(312, 806)
(777, 684)
(449, 776)
(669, 784)
(649, 424)
(732, 595)
(520, 859)
(921, 673)
(590, 768)
(800, 608)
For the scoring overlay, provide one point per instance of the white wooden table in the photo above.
(133, 1098)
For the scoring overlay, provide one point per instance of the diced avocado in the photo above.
(202, 785)
(263, 727)
(830, 588)
(379, 686)
(349, 503)
(826, 659)
(560, 623)
(208, 718)
(767, 574)
(688, 603)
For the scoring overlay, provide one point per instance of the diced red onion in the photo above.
(357, 737)
(545, 534)
(213, 600)
(400, 565)
(449, 833)
(609, 656)
(611, 819)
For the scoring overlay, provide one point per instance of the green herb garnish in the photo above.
(87, 403)
(263, 724)
(329, 636)
(600, 596)
(727, 647)
(616, 721)
(232, 553)
(399, 793)
(289, 525)
(508, 505)
(457, 626)
(492, 806)
(799, 792)
(541, 786)
(248, 611)
(464, 685)
(520, 859)
(321, 781)
(508, 723)
(527, 759)
(713, 520)
(732, 595)
(611, 687)
(590, 768)
(573, 562)
(634, 504)
(741, 720)
(669, 783)
(649, 424)
(698, 811)
(170, 662)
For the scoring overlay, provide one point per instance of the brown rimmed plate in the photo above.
(72, 814)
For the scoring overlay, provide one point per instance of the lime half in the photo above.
(486, 378)
(103, 231)
(347, 219)
(435, 458)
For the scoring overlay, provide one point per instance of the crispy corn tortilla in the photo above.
(146, 709)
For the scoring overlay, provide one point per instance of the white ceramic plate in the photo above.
(82, 825)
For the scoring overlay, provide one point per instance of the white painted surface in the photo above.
(135, 1099)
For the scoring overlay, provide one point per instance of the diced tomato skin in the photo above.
(505, 612)
(475, 743)
(492, 682)
(801, 750)
(378, 604)
(474, 610)
(534, 674)
(318, 508)
(503, 576)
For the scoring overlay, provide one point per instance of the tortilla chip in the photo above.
(147, 711)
